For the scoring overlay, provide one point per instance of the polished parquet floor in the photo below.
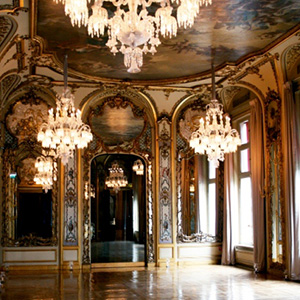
(203, 282)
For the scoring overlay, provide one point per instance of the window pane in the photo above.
(212, 208)
(244, 132)
(245, 162)
(246, 218)
(211, 170)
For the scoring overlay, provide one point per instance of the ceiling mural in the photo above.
(235, 28)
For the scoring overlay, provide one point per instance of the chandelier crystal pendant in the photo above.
(132, 31)
(65, 131)
(214, 136)
(46, 172)
(138, 167)
(116, 178)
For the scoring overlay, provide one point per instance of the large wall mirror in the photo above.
(118, 214)
(29, 214)
(199, 204)
(274, 189)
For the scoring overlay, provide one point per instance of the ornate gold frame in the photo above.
(141, 146)
(9, 203)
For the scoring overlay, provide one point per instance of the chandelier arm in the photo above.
(118, 3)
(149, 2)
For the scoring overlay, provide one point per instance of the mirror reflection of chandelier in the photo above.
(116, 178)
(138, 167)
(214, 136)
(65, 131)
(131, 30)
(46, 172)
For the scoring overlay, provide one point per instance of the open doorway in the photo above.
(118, 215)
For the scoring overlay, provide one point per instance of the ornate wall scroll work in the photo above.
(71, 204)
(8, 27)
(165, 188)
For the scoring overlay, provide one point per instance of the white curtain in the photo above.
(257, 179)
(230, 227)
(291, 152)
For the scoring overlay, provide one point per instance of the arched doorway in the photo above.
(118, 216)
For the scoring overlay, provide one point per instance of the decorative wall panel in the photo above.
(71, 203)
(165, 184)
(8, 27)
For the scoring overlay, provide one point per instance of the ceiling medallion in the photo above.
(214, 136)
(65, 131)
(131, 30)
(116, 178)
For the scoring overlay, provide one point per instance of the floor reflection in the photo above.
(117, 251)
(203, 282)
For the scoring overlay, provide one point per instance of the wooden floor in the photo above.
(203, 282)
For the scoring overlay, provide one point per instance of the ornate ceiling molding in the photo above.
(251, 66)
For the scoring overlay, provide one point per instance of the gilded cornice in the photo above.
(251, 66)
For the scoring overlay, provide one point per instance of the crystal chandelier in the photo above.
(116, 178)
(46, 172)
(65, 130)
(132, 31)
(214, 136)
(138, 167)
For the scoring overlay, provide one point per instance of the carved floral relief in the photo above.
(25, 120)
(27, 171)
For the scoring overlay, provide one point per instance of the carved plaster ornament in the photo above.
(27, 171)
(7, 84)
(26, 119)
(8, 27)
(190, 122)
(228, 95)
(292, 56)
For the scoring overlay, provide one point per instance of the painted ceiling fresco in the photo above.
(235, 28)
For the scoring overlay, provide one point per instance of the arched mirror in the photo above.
(199, 200)
(274, 188)
(29, 213)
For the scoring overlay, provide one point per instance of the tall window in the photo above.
(244, 181)
(211, 205)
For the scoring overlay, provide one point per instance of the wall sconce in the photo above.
(138, 167)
